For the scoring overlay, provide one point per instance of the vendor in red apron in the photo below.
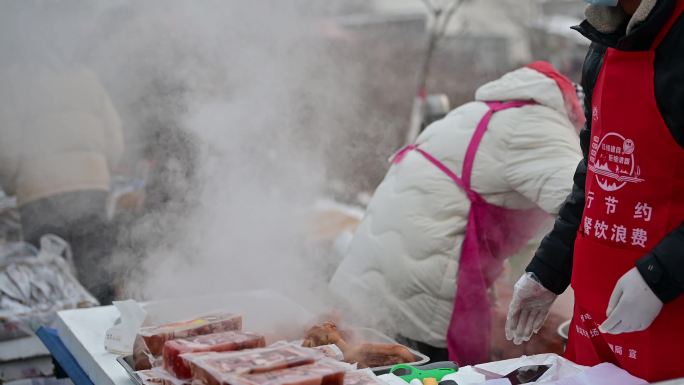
(472, 190)
(619, 238)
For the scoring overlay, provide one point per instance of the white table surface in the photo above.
(83, 332)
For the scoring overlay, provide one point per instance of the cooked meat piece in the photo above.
(324, 334)
(375, 355)
(367, 355)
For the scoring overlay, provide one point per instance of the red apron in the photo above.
(492, 234)
(634, 198)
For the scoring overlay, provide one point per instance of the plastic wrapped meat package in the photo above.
(149, 377)
(217, 342)
(160, 376)
(331, 351)
(150, 341)
(323, 372)
(216, 368)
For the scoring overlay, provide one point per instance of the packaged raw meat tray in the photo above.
(323, 372)
(216, 342)
(148, 377)
(331, 351)
(150, 340)
(213, 368)
(167, 378)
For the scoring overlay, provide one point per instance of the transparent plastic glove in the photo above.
(632, 307)
(529, 309)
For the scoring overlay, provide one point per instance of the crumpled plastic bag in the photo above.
(604, 374)
(36, 284)
(559, 366)
(561, 372)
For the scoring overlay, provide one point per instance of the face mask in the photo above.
(605, 3)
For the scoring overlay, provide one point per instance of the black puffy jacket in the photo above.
(662, 267)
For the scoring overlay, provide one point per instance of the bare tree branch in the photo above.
(450, 11)
(429, 6)
(441, 18)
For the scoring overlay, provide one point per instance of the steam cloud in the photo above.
(245, 98)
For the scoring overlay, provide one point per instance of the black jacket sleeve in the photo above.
(552, 263)
(663, 267)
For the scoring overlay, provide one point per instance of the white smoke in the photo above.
(250, 98)
(247, 95)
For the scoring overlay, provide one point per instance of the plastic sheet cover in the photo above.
(36, 284)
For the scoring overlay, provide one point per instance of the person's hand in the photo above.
(528, 310)
(632, 307)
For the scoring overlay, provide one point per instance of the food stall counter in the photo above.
(82, 331)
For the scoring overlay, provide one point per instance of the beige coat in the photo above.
(59, 132)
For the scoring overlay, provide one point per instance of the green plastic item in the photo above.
(437, 371)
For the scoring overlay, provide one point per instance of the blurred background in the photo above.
(239, 120)
(255, 132)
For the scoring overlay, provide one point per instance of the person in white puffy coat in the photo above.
(61, 136)
(401, 268)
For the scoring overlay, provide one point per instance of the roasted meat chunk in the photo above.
(376, 355)
(326, 333)
(366, 355)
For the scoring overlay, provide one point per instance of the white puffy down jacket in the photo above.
(401, 267)
(60, 133)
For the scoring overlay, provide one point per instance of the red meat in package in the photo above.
(216, 368)
(217, 342)
(323, 372)
(148, 377)
(331, 351)
(150, 340)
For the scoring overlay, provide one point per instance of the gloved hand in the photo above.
(632, 307)
(528, 310)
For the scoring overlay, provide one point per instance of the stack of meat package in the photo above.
(212, 350)
(151, 341)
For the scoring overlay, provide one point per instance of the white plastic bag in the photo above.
(604, 374)
(36, 284)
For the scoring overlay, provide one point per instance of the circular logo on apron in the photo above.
(612, 161)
